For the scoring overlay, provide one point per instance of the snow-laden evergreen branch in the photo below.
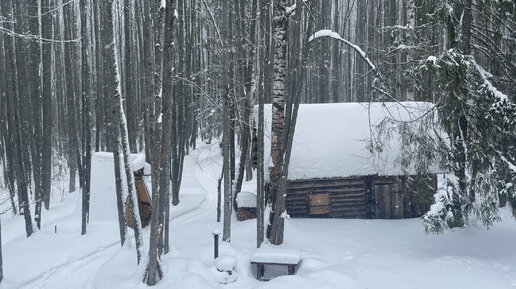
(511, 166)
(484, 75)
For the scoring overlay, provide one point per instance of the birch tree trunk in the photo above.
(276, 223)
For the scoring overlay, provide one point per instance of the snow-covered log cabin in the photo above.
(333, 173)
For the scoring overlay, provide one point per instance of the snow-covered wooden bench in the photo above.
(274, 257)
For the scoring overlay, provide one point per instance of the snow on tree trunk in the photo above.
(122, 123)
(122, 222)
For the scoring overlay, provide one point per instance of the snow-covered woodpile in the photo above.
(332, 173)
(246, 202)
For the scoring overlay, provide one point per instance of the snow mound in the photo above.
(225, 263)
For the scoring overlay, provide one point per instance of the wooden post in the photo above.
(216, 234)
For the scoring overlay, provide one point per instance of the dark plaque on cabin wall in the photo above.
(320, 204)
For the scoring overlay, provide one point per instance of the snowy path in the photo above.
(79, 272)
(73, 274)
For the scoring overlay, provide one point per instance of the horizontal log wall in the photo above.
(347, 197)
(355, 197)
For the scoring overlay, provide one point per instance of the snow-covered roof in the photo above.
(331, 140)
(246, 200)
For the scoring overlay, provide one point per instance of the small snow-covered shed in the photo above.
(332, 173)
(246, 202)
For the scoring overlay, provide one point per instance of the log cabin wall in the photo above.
(346, 198)
(363, 197)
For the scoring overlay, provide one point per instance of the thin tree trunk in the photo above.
(151, 276)
(36, 95)
(260, 196)
(46, 92)
(167, 108)
(9, 174)
(111, 84)
(15, 124)
(117, 163)
(219, 194)
(226, 168)
(70, 97)
(85, 159)
(226, 123)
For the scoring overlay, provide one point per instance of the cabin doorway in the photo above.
(389, 201)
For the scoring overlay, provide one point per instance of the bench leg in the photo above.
(260, 270)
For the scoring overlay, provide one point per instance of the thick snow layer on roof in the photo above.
(331, 140)
(246, 200)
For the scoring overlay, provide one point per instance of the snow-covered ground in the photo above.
(336, 253)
